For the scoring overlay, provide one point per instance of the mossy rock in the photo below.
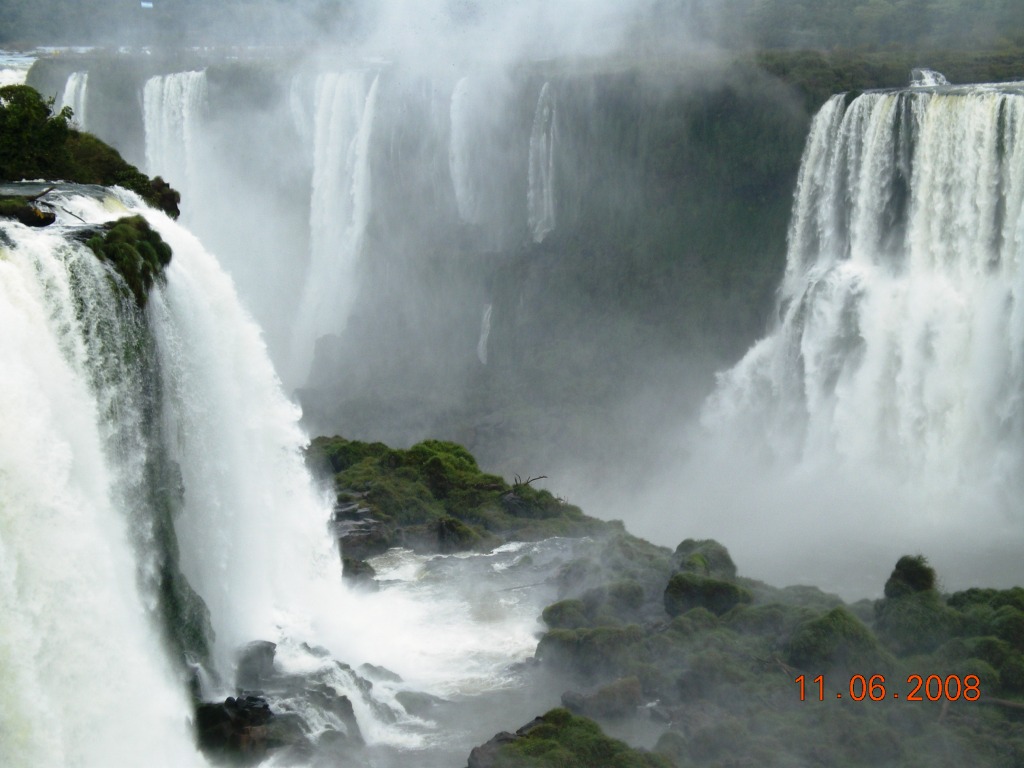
(436, 498)
(455, 536)
(1008, 625)
(560, 739)
(135, 250)
(686, 591)
(29, 214)
(835, 640)
(705, 557)
(912, 574)
(594, 651)
(1011, 676)
(566, 614)
(918, 622)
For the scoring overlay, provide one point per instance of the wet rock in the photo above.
(360, 536)
(358, 572)
(255, 665)
(416, 703)
(382, 674)
(243, 729)
(486, 755)
(326, 699)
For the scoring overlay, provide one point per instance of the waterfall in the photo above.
(897, 357)
(172, 109)
(485, 334)
(540, 197)
(14, 67)
(74, 96)
(461, 151)
(78, 644)
(343, 126)
(252, 531)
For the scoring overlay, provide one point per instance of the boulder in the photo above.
(255, 665)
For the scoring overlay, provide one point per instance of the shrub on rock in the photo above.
(705, 557)
(686, 591)
(836, 639)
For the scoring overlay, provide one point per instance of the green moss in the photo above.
(436, 486)
(594, 651)
(135, 250)
(918, 622)
(911, 574)
(837, 639)
(455, 536)
(705, 557)
(566, 614)
(686, 591)
(560, 739)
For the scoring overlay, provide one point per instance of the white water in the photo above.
(927, 78)
(345, 105)
(74, 96)
(253, 532)
(172, 110)
(485, 334)
(78, 651)
(884, 411)
(14, 67)
(540, 197)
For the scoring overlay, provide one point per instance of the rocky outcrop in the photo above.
(561, 738)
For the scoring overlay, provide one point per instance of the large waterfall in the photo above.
(890, 393)
(344, 115)
(79, 641)
(541, 192)
(120, 420)
(173, 106)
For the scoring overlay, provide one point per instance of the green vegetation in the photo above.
(686, 591)
(135, 250)
(33, 140)
(705, 557)
(560, 739)
(36, 143)
(434, 496)
(725, 677)
(836, 640)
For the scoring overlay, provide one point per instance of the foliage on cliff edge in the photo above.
(38, 143)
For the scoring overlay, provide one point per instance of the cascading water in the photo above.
(460, 149)
(172, 109)
(252, 530)
(14, 67)
(109, 407)
(74, 96)
(485, 334)
(540, 198)
(77, 644)
(895, 370)
(345, 105)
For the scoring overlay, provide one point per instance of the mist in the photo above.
(670, 175)
(630, 251)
